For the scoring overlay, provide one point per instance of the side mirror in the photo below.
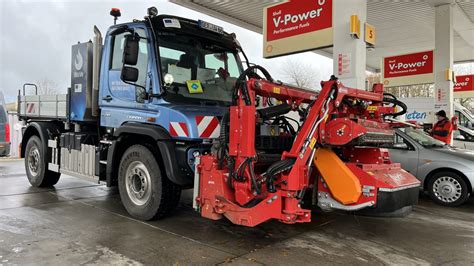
(401, 146)
(129, 74)
(130, 50)
(459, 137)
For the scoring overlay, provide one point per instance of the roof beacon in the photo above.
(115, 12)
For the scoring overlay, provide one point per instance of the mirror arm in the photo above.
(147, 95)
(134, 84)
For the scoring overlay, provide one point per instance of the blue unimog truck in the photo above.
(143, 103)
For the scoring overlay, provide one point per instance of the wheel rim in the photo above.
(447, 189)
(138, 183)
(34, 161)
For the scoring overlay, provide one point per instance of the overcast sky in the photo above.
(36, 38)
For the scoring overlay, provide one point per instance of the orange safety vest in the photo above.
(443, 131)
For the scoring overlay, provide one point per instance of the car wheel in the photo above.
(36, 164)
(448, 189)
(145, 193)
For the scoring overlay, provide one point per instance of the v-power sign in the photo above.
(296, 26)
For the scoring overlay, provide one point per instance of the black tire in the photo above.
(36, 165)
(146, 193)
(448, 189)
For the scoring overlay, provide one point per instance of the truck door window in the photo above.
(118, 88)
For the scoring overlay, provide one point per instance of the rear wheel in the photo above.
(448, 189)
(145, 192)
(36, 165)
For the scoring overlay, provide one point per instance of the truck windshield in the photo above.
(422, 138)
(204, 72)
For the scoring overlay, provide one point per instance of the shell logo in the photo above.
(269, 48)
(78, 61)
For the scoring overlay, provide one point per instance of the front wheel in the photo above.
(448, 189)
(36, 165)
(145, 193)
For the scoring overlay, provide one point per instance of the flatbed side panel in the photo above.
(43, 106)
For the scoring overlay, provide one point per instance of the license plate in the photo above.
(209, 26)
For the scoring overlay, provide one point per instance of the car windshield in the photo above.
(203, 71)
(422, 138)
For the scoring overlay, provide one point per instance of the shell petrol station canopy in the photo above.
(402, 27)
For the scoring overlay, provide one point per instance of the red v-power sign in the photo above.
(296, 26)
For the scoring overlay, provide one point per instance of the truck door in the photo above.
(122, 102)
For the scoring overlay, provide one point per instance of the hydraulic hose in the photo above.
(241, 85)
(252, 176)
(223, 140)
(393, 100)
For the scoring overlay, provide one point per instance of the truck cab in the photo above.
(200, 67)
(203, 66)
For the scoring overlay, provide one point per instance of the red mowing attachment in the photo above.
(345, 125)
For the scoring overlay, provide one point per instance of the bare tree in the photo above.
(409, 91)
(300, 75)
(47, 87)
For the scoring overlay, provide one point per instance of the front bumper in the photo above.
(391, 201)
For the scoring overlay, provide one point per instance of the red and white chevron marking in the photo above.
(178, 129)
(208, 126)
(30, 108)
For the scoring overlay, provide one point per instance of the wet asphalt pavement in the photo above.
(79, 222)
